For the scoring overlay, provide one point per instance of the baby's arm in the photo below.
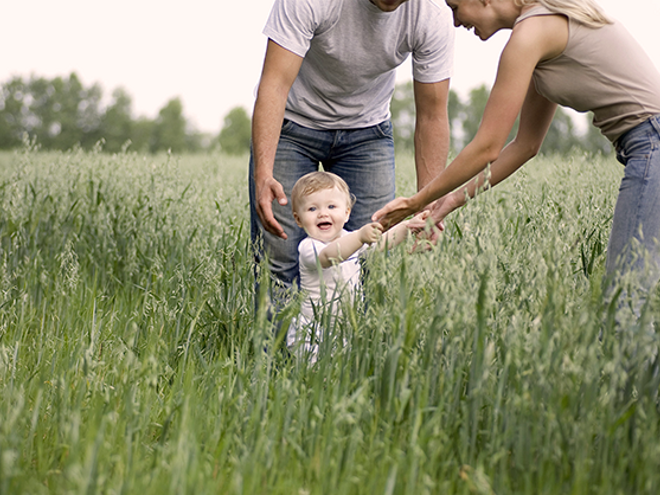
(397, 234)
(344, 247)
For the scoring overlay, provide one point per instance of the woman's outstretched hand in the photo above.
(442, 207)
(393, 212)
(428, 225)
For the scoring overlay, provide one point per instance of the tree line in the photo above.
(465, 116)
(62, 113)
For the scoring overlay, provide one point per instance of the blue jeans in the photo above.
(634, 244)
(364, 158)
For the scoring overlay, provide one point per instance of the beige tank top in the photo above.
(603, 70)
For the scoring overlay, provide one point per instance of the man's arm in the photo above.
(279, 71)
(431, 130)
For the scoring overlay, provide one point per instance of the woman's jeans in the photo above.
(364, 158)
(634, 246)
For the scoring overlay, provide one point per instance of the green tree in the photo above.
(454, 110)
(65, 112)
(142, 134)
(561, 137)
(593, 141)
(473, 111)
(236, 131)
(12, 123)
(402, 108)
(117, 122)
(197, 141)
(169, 131)
(59, 113)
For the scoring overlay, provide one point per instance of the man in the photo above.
(324, 95)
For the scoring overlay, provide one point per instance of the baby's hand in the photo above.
(419, 222)
(426, 233)
(370, 233)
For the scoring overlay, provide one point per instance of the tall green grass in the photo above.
(132, 361)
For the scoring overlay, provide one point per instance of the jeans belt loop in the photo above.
(655, 122)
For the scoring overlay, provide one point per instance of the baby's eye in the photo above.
(312, 208)
(331, 207)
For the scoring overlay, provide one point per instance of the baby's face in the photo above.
(323, 214)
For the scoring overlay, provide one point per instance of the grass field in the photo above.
(131, 360)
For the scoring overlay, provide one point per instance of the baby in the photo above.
(328, 257)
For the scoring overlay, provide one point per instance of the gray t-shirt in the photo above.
(351, 50)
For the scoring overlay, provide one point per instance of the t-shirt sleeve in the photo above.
(433, 53)
(308, 251)
(364, 249)
(292, 24)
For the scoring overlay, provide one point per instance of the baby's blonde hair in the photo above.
(318, 181)
(586, 12)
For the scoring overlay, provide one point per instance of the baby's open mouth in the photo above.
(324, 225)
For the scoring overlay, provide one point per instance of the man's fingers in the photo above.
(276, 229)
(278, 192)
(268, 221)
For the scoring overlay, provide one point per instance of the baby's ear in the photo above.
(297, 219)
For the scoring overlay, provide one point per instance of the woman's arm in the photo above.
(533, 40)
(535, 119)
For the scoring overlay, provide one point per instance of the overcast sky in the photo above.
(207, 52)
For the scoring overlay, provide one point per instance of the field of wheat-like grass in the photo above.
(132, 360)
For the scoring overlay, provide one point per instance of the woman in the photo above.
(563, 52)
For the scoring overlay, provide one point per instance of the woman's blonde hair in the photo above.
(586, 12)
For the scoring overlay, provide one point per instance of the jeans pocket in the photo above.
(637, 167)
(287, 125)
(385, 129)
(636, 149)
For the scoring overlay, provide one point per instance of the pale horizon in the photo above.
(207, 55)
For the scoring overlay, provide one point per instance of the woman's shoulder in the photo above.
(535, 10)
(543, 34)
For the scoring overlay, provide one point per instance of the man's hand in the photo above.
(266, 192)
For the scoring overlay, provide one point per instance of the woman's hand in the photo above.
(394, 212)
(442, 207)
(429, 224)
